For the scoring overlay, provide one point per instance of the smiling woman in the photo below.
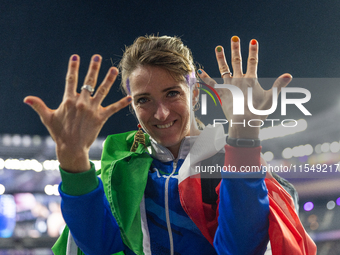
(148, 199)
(162, 106)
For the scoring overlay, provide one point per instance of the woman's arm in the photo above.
(74, 126)
(244, 204)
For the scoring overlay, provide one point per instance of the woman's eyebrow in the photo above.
(170, 88)
(164, 90)
(142, 94)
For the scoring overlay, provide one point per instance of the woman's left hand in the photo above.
(262, 99)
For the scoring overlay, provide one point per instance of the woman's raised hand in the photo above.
(76, 123)
(262, 99)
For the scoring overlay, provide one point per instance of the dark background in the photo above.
(299, 37)
(38, 37)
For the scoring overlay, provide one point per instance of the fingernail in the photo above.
(253, 42)
(288, 78)
(129, 99)
(235, 38)
(113, 71)
(219, 49)
(28, 102)
(74, 58)
(199, 71)
(96, 59)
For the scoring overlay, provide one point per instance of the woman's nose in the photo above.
(162, 112)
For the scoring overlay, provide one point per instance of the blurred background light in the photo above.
(2, 163)
(318, 149)
(26, 141)
(308, 206)
(334, 147)
(287, 153)
(36, 140)
(2, 189)
(6, 140)
(338, 201)
(330, 205)
(268, 156)
(325, 147)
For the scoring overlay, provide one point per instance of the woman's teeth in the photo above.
(166, 125)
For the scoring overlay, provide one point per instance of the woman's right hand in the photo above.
(76, 123)
(261, 99)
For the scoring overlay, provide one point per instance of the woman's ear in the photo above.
(195, 94)
(132, 108)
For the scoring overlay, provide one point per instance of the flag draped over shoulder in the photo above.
(124, 175)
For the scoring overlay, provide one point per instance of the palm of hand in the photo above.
(76, 123)
(246, 85)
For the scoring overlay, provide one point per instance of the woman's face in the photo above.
(162, 106)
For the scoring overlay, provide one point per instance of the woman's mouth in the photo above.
(166, 125)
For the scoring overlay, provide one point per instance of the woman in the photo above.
(152, 202)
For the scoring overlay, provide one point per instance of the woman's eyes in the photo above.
(142, 100)
(173, 93)
(170, 94)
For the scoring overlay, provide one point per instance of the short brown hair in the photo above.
(163, 51)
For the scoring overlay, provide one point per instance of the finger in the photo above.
(106, 85)
(282, 81)
(72, 76)
(113, 108)
(39, 106)
(252, 59)
(222, 64)
(206, 78)
(236, 58)
(92, 75)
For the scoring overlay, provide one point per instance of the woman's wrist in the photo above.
(73, 161)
